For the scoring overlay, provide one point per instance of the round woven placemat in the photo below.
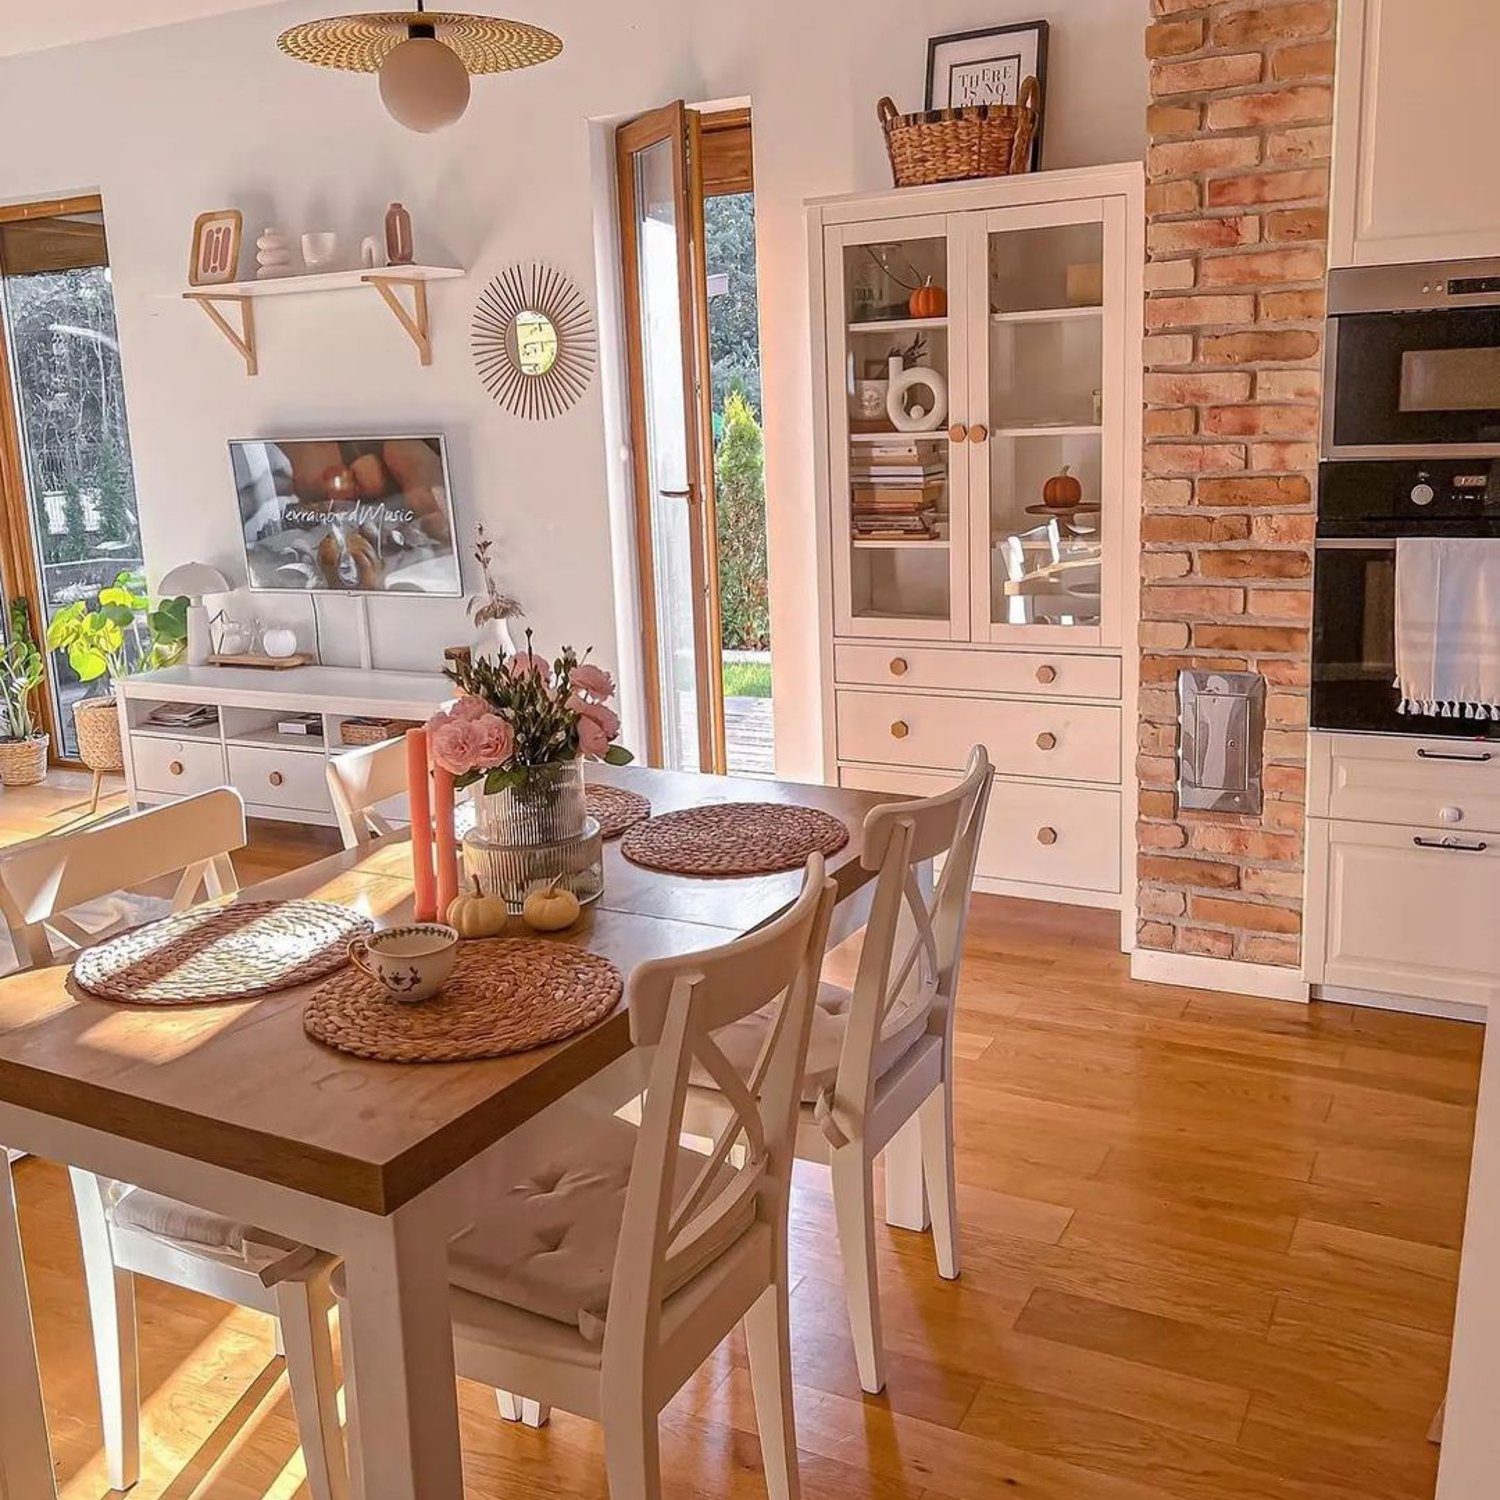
(230, 952)
(504, 995)
(734, 838)
(614, 809)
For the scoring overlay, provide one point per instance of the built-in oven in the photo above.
(1364, 508)
(1413, 361)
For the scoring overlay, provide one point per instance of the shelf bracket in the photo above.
(243, 341)
(414, 322)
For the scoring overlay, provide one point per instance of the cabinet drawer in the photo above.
(1065, 836)
(1412, 782)
(1056, 675)
(1065, 741)
(1401, 916)
(180, 767)
(280, 778)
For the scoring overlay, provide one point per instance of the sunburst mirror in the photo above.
(534, 342)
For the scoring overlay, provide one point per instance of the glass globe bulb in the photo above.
(424, 84)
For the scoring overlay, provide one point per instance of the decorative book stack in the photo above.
(896, 486)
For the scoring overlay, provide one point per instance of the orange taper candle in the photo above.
(419, 803)
(444, 840)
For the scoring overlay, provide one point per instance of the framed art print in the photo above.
(216, 248)
(986, 67)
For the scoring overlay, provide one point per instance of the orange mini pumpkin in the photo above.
(1062, 491)
(928, 301)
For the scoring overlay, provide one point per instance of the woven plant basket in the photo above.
(23, 762)
(97, 721)
(954, 145)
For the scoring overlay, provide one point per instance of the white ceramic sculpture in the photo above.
(279, 642)
(910, 411)
(273, 254)
(369, 252)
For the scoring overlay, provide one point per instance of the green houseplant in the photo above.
(23, 746)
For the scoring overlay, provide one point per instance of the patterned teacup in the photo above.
(409, 963)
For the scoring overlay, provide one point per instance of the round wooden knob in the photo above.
(900, 729)
(1046, 835)
(898, 666)
(275, 778)
(958, 432)
(1046, 740)
(978, 433)
(1046, 673)
(175, 767)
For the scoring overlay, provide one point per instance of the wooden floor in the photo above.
(1210, 1248)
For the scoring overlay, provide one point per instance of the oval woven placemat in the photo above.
(230, 952)
(614, 809)
(504, 995)
(734, 838)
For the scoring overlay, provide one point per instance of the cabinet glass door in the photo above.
(898, 369)
(1047, 281)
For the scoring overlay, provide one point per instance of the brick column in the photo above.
(1237, 214)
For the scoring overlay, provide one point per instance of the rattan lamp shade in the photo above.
(361, 43)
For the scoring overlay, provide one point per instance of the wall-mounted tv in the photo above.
(367, 515)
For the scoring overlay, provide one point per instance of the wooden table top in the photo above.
(240, 1085)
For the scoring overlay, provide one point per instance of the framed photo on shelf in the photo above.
(986, 67)
(216, 247)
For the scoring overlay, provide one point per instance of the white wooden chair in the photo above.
(613, 1260)
(125, 1231)
(359, 781)
(882, 1054)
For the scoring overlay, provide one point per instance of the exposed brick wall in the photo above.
(1237, 218)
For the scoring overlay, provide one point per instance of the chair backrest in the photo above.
(913, 942)
(42, 881)
(671, 1231)
(359, 780)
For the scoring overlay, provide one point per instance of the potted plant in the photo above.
(23, 746)
(123, 634)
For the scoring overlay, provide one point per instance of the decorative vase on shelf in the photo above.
(273, 255)
(399, 250)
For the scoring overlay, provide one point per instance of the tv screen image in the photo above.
(347, 515)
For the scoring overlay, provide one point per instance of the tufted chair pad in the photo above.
(197, 1229)
(547, 1244)
(904, 1026)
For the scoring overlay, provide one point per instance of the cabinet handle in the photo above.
(1046, 740)
(958, 432)
(175, 767)
(978, 433)
(1483, 755)
(275, 778)
(898, 666)
(900, 729)
(1046, 673)
(1046, 835)
(1451, 844)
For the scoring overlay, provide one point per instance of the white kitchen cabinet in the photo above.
(1415, 172)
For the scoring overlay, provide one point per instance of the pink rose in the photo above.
(592, 740)
(496, 740)
(606, 718)
(455, 746)
(528, 661)
(594, 681)
(462, 709)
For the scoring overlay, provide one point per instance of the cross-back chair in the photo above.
(359, 781)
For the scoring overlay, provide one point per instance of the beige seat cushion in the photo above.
(547, 1244)
(268, 1255)
(904, 1026)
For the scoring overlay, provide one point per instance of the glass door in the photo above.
(1048, 284)
(661, 246)
(897, 463)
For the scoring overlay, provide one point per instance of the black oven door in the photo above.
(1414, 381)
(1354, 647)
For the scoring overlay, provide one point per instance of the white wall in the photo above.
(207, 114)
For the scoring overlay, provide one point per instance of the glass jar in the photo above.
(546, 805)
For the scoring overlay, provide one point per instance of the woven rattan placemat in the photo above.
(734, 838)
(504, 995)
(232, 952)
(614, 809)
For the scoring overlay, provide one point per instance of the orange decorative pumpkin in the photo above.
(928, 301)
(1062, 491)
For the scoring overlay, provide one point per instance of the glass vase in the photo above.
(547, 805)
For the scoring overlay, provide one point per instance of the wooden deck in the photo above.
(748, 737)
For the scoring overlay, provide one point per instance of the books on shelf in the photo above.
(183, 715)
(896, 487)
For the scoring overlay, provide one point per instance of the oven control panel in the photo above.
(1416, 497)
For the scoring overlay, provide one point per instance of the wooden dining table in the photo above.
(232, 1107)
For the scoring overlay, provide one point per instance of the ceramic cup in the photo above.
(318, 250)
(409, 963)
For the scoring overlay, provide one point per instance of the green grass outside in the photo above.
(747, 679)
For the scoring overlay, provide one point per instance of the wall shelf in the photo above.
(237, 299)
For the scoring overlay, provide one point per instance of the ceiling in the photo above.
(56, 23)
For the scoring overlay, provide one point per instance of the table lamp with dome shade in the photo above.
(195, 580)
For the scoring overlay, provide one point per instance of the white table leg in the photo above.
(399, 1337)
(25, 1455)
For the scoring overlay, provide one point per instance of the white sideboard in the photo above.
(280, 776)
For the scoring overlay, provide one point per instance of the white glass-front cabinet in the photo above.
(978, 354)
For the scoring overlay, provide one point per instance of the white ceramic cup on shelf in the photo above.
(409, 963)
(318, 249)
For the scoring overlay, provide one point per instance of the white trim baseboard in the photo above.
(1230, 976)
(1415, 1005)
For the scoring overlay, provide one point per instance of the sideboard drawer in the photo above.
(1066, 836)
(281, 778)
(1054, 675)
(1413, 782)
(1065, 741)
(178, 767)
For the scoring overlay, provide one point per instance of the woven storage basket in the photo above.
(375, 734)
(954, 145)
(23, 762)
(97, 721)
